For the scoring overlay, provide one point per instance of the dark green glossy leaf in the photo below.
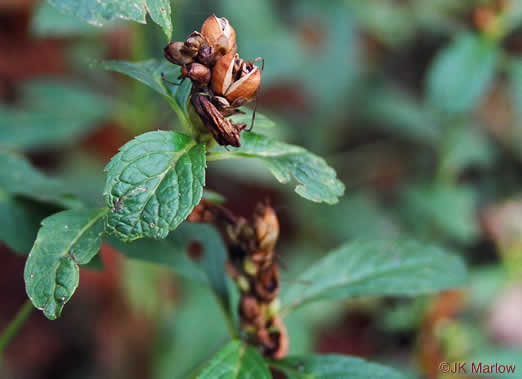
(333, 366)
(235, 361)
(374, 268)
(462, 73)
(316, 180)
(65, 240)
(56, 113)
(99, 12)
(153, 184)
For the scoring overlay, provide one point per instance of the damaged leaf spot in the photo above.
(196, 251)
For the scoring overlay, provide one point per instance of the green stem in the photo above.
(14, 326)
(185, 122)
(220, 156)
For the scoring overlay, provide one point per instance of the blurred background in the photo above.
(416, 103)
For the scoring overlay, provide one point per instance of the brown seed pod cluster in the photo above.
(222, 81)
(251, 264)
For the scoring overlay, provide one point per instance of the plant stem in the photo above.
(185, 122)
(14, 326)
(219, 156)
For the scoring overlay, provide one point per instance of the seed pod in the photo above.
(266, 226)
(249, 308)
(267, 283)
(206, 56)
(223, 130)
(235, 79)
(197, 73)
(174, 52)
(283, 341)
(219, 34)
(194, 43)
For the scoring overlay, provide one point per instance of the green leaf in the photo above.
(235, 361)
(172, 252)
(20, 220)
(148, 72)
(153, 184)
(515, 81)
(213, 197)
(338, 223)
(398, 113)
(95, 264)
(442, 208)
(466, 146)
(261, 121)
(160, 13)
(159, 76)
(374, 268)
(99, 12)
(65, 240)
(316, 180)
(19, 178)
(182, 327)
(19, 182)
(47, 21)
(462, 73)
(56, 113)
(333, 366)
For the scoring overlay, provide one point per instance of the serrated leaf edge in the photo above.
(87, 226)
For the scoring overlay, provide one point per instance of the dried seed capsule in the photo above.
(174, 52)
(194, 43)
(266, 226)
(249, 308)
(223, 130)
(267, 283)
(197, 73)
(235, 79)
(283, 341)
(219, 34)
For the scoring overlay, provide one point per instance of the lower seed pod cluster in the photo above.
(251, 264)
